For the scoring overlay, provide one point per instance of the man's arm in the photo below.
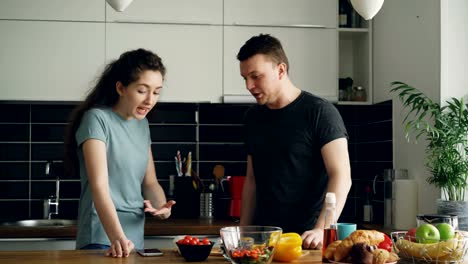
(248, 195)
(336, 159)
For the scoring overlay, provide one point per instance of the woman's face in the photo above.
(139, 97)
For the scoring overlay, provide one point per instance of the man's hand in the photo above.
(312, 239)
(162, 213)
(120, 248)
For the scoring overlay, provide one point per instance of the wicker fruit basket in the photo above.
(445, 251)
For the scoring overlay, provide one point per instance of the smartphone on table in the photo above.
(150, 252)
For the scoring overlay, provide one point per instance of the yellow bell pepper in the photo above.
(289, 247)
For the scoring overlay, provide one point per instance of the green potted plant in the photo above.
(446, 130)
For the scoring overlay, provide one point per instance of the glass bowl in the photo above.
(250, 244)
(445, 251)
(436, 219)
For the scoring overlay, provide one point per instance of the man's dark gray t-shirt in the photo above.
(290, 175)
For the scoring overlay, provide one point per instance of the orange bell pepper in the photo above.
(289, 247)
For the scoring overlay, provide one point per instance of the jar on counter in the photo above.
(359, 94)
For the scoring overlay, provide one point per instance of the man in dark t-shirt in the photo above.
(296, 144)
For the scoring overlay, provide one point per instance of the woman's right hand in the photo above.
(120, 248)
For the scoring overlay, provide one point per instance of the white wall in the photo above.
(407, 48)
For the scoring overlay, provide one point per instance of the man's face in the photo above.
(262, 78)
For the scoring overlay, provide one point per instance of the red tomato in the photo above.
(188, 237)
(386, 244)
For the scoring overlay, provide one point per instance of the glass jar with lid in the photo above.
(359, 94)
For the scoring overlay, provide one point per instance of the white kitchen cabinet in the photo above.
(173, 11)
(279, 12)
(192, 55)
(44, 60)
(312, 55)
(69, 10)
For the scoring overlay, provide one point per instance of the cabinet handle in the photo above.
(200, 23)
(279, 25)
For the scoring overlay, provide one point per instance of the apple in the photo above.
(446, 231)
(427, 233)
(411, 235)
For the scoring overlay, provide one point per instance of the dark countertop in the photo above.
(153, 227)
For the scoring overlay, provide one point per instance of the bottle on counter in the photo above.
(329, 230)
(367, 210)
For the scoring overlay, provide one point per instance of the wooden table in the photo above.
(97, 257)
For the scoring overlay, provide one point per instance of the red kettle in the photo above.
(236, 184)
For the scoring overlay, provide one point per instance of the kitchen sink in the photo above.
(41, 223)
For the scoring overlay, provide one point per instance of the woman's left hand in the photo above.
(162, 213)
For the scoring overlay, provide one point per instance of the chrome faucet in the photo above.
(52, 200)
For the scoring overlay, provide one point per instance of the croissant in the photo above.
(330, 251)
(370, 237)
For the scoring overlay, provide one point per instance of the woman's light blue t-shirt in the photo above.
(127, 147)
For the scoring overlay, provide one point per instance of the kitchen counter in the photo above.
(97, 257)
(153, 227)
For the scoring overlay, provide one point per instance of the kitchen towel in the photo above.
(405, 205)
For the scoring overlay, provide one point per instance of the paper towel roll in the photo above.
(405, 206)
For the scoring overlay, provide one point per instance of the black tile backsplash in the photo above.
(50, 113)
(33, 134)
(173, 133)
(213, 133)
(14, 190)
(47, 132)
(14, 210)
(14, 151)
(14, 171)
(167, 151)
(14, 132)
(18, 113)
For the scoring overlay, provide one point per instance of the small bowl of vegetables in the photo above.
(194, 249)
(250, 244)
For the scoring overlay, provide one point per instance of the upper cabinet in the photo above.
(312, 55)
(192, 55)
(318, 13)
(62, 10)
(43, 60)
(173, 11)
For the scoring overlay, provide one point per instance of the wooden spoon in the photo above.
(218, 172)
